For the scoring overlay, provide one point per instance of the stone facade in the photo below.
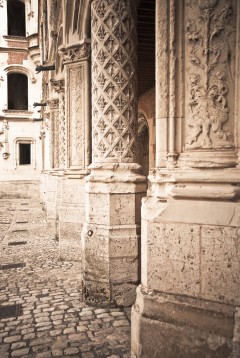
(137, 88)
(19, 54)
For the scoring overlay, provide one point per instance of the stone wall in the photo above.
(189, 298)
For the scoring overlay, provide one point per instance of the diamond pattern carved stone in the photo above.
(114, 80)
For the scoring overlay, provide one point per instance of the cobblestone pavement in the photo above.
(54, 321)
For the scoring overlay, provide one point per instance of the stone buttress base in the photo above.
(189, 306)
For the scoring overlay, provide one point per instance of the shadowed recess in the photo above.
(11, 266)
(11, 311)
(15, 243)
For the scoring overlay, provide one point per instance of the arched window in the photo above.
(16, 18)
(17, 91)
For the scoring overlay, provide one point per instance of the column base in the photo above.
(170, 326)
(111, 234)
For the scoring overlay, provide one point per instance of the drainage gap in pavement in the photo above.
(11, 266)
(15, 243)
(11, 311)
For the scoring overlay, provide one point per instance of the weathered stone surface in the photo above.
(203, 328)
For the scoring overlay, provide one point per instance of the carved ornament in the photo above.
(114, 87)
(53, 103)
(76, 53)
(210, 41)
(30, 14)
(58, 85)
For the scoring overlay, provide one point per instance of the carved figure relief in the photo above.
(114, 80)
(73, 54)
(75, 115)
(210, 38)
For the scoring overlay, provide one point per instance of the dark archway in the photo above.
(143, 144)
(16, 18)
(17, 91)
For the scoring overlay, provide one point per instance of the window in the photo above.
(17, 91)
(16, 18)
(24, 153)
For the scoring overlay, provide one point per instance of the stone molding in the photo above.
(114, 86)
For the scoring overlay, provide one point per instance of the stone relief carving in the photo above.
(114, 80)
(53, 103)
(210, 37)
(53, 11)
(58, 85)
(75, 115)
(76, 53)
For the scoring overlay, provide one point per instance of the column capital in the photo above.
(76, 52)
(58, 85)
(53, 103)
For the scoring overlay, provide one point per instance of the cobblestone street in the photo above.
(52, 320)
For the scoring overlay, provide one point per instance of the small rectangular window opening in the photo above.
(24, 153)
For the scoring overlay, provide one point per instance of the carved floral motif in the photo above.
(114, 80)
(210, 36)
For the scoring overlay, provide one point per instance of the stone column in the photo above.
(188, 302)
(76, 61)
(115, 186)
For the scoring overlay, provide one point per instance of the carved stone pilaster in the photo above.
(210, 41)
(54, 133)
(59, 87)
(114, 93)
(78, 116)
(62, 130)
